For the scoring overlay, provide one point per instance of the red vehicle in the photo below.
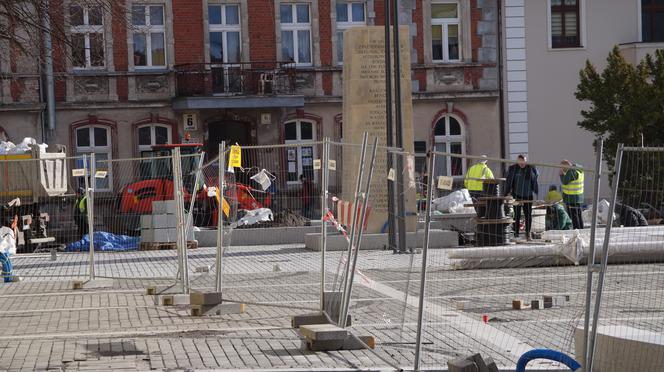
(157, 184)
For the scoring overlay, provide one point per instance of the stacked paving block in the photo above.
(158, 230)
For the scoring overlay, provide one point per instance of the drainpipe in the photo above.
(501, 98)
(48, 55)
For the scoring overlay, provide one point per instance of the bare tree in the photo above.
(25, 24)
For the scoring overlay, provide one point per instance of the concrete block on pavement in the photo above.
(462, 365)
(164, 221)
(163, 206)
(323, 332)
(205, 298)
(146, 221)
(174, 299)
(162, 289)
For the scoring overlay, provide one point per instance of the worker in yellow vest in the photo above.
(572, 179)
(473, 181)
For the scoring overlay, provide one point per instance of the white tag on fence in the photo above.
(101, 174)
(211, 192)
(391, 175)
(445, 183)
(79, 172)
(316, 164)
(332, 165)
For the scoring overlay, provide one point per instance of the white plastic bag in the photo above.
(256, 216)
(7, 241)
(6, 147)
(454, 202)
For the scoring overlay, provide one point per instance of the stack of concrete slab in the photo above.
(159, 228)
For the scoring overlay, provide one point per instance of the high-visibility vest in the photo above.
(83, 204)
(476, 173)
(575, 187)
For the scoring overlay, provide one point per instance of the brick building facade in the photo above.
(245, 70)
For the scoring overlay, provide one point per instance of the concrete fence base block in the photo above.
(349, 343)
(414, 240)
(623, 349)
(92, 284)
(314, 318)
(172, 299)
(220, 309)
(462, 365)
(205, 298)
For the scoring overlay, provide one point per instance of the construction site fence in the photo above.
(527, 240)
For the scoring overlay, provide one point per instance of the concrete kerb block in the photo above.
(323, 332)
(92, 284)
(328, 337)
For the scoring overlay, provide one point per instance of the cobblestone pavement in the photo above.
(50, 326)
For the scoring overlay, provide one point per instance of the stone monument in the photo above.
(364, 111)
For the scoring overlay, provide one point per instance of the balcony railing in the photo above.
(242, 78)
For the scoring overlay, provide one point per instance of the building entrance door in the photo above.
(230, 131)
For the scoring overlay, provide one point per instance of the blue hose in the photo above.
(556, 356)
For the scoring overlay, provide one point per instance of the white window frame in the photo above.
(86, 29)
(342, 26)
(225, 28)
(444, 24)
(87, 150)
(299, 140)
(448, 140)
(582, 27)
(153, 137)
(148, 29)
(294, 27)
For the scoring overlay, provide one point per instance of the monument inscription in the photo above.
(364, 107)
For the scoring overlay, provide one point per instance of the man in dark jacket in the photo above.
(630, 217)
(522, 185)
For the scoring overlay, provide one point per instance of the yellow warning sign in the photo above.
(235, 159)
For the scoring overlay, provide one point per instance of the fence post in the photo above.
(423, 271)
(325, 172)
(178, 199)
(220, 218)
(90, 207)
(591, 249)
(358, 241)
(605, 258)
(358, 183)
(194, 190)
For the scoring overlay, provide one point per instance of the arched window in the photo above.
(450, 137)
(300, 160)
(96, 139)
(153, 134)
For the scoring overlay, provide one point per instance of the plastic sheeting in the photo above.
(105, 241)
(23, 147)
(454, 202)
(627, 244)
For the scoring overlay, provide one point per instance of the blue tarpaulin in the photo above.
(105, 241)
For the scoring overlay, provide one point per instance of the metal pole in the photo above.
(591, 251)
(179, 208)
(89, 205)
(391, 233)
(192, 201)
(325, 172)
(401, 207)
(423, 272)
(351, 275)
(605, 258)
(220, 218)
(354, 219)
(48, 57)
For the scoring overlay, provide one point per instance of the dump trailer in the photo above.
(34, 178)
